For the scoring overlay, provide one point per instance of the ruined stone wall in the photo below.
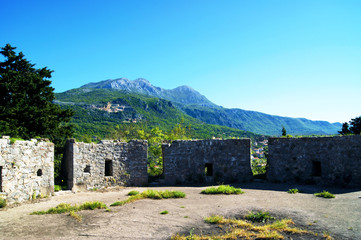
(214, 161)
(27, 169)
(323, 160)
(108, 163)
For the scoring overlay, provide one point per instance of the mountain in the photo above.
(106, 112)
(182, 94)
(198, 106)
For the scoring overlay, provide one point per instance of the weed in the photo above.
(132, 193)
(182, 207)
(13, 140)
(293, 191)
(57, 188)
(214, 219)
(75, 216)
(259, 217)
(186, 217)
(324, 194)
(2, 202)
(223, 189)
(327, 236)
(164, 212)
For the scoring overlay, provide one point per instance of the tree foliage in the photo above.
(284, 132)
(26, 100)
(352, 127)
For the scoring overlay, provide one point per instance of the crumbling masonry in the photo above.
(26, 169)
(108, 163)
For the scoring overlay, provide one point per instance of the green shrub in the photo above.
(293, 191)
(164, 212)
(132, 193)
(57, 188)
(223, 189)
(324, 194)
(13, 140)
(259, 217)
(2, 202)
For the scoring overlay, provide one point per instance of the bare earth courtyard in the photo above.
(340, 217)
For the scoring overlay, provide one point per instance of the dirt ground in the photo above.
(340, 217)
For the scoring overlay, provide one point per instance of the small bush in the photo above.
(164, 212)
(223, 189)
(132, 193)
(2, 202)
(259, 217)
(57, 188)
(324, 194)
(293, 191)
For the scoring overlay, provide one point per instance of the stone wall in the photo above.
(108, 163)
(26, 168)
(213, 161)
(323, 160)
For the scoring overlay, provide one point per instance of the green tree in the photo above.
(26, 101)
(284, 132)
(353, 127)
(345, 129)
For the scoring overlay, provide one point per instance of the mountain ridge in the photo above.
(194, 104)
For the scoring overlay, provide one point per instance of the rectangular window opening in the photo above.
(316, 169)
(108, 168)
(87, 169)
(208, 170)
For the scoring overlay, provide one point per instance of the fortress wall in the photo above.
(26, 169)
(214, 161)
(316, 160)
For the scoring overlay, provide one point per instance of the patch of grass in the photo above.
(57, 188)
(324, 194)
(152, 194)
(132, 193)
(293, 191)
(223, 189)
(214, 219)
(164, 212)
(67, 208)
(2, 202)
(75, 216)
(259, 217)
(241, 229)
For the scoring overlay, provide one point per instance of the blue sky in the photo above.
(287, 58)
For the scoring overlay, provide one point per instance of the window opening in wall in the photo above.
(87, 169)
(1, 179)
(316, 169)
(208, 170)
(108, 168)
(39, 172)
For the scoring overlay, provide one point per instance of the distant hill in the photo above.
(198, 106)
